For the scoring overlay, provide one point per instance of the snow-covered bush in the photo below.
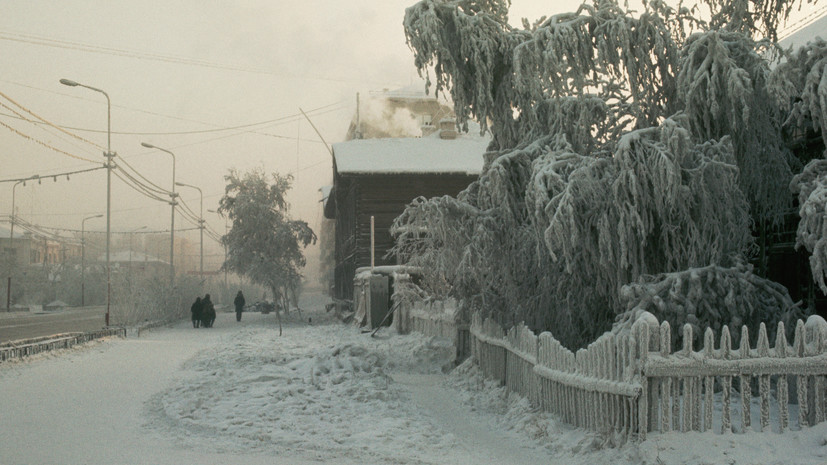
(710, 297)
(811, 187)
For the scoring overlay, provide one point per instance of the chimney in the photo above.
(448, 128)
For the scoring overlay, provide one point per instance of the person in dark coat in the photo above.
(196, 312)
(207, 312)
(239, 305)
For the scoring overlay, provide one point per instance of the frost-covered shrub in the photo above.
(710, 297)
(811, 187)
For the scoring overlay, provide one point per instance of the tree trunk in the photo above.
(276, 304)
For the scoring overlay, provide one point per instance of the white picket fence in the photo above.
(630, 382)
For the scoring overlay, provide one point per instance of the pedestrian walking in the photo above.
(207, 312)
(239, 305)
(195, 309)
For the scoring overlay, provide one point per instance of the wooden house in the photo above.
(378, 178)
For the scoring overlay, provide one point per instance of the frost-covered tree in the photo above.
(811, 186)
(624, 145)
(264, 243)
(710, 297)
(800, 87)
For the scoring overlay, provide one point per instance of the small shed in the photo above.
(378, 178)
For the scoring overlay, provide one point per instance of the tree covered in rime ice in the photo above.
(710, 297)
(264, 243)
(627, 148)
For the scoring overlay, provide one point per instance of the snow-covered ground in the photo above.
(321, 393)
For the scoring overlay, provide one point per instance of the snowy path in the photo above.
(238, 393)
(474, 433)
(85, 406)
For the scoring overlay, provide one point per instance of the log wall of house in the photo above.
(383, 196)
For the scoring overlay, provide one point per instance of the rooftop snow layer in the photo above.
(805, 33)
(412, 155)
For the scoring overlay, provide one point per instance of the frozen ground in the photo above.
(321, 393)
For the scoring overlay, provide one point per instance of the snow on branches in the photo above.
(811, 187)
(621, 148)
(468, 51)
(722, 85)
(660, 203)
(599, 48)
(800, 86)
(709, 297)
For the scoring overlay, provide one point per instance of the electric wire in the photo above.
(46, 176)
(44, 144)
(44, 121)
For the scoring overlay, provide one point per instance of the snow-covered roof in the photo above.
(413, 91)
(802, 35)
(430, 154)
(325, 190)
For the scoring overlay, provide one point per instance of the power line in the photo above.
(43, 120)
(47, 176)
(267, 123)
(802, 23)
(44, 144)
(89, 48)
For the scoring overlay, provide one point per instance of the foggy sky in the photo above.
(173, 69)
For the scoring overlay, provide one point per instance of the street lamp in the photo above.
(200, 222)
(11, 238)
(172, 202)
(83, 259)
(109, 156)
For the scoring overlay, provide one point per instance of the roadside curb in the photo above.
(11, 350)
(135, 330)
(26, 347)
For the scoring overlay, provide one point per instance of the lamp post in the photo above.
(83, 259)
(200, 222)
(172, 202)
(109, 156)
(226, 230)
(11, 236)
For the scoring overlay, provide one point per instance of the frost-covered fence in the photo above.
(26, 347)
(715, 388)
(433, 318)
(630, 382)
(594, 388)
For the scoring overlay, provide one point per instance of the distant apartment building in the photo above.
(26, 248)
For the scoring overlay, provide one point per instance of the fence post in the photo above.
(744, 381)
(763, 350)
(643, 405)
(782, 385)
(798, 351)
